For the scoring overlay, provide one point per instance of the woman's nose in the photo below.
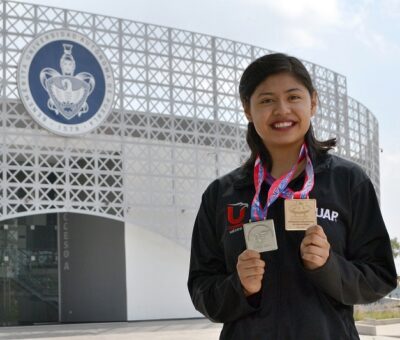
(281, 107)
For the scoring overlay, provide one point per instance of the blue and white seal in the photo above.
(65, 82)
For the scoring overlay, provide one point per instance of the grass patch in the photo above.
(376, 315)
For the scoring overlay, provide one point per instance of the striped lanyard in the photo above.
(279, 186)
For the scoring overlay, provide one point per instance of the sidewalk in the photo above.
(192, 329)
(380, 328)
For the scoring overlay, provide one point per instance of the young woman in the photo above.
(304, 288)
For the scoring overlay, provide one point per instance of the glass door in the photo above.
(28, 270)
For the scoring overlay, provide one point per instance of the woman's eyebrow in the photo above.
(272, 93)
(294, 89)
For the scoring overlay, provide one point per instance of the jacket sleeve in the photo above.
(366, 272)
(215, 293)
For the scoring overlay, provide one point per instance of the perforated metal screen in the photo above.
(177, 124)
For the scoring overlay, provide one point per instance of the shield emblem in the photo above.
(68, 94)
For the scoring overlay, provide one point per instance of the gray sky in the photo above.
(359, 39)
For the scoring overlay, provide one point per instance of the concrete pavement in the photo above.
(192, 329)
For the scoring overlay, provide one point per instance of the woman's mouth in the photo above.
(282, 125)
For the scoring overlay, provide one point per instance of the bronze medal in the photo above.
(300, 214)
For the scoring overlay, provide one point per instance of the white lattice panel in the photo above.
(177, 123)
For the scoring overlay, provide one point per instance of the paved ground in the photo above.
(194, 329)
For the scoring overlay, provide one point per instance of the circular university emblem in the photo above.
(65, 82)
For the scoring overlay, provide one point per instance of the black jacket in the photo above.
(294, 303)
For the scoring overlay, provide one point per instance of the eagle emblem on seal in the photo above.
(68, 93)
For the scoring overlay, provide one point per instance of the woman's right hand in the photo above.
(250, 269)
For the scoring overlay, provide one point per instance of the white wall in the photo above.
(156, 274)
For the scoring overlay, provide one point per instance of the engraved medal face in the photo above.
(260, 236)
(300, 214)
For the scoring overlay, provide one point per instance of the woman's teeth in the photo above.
(282, 125)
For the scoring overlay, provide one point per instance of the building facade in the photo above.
(97, 226)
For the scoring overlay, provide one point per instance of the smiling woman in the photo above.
(330, 248)
(281, 109)
(280, 88)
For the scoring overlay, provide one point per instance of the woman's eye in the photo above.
(294, 97)
(267, 101)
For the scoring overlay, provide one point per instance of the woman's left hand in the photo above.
(314, 248)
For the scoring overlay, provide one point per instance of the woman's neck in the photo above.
(283, 159)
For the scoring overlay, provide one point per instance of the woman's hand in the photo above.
(314, 248)
(250, 269)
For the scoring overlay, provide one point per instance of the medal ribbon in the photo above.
(279, 186)
(288, 193)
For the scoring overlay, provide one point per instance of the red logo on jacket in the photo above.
(235, 215)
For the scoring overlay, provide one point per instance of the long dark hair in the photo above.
(253, 76)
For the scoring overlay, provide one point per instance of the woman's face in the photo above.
(281, 108)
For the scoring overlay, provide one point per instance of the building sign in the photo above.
(65, 82)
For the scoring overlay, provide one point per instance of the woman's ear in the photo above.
(246, 108)
(314, 103)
